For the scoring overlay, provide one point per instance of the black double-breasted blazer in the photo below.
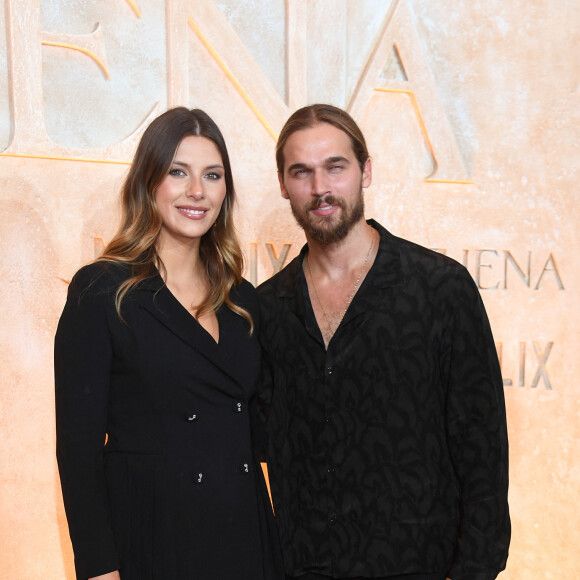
(175, 491)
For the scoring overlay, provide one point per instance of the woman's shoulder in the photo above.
(99, 277)
(244, 294)
(244, 289)
(247, 287)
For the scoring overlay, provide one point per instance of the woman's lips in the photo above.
(194, 213)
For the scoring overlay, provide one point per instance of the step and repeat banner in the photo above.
(471, 112)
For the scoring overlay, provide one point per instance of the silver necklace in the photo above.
(349, 299)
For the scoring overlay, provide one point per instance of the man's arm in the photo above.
(477, 436)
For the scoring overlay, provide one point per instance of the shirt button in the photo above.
(328, 370)
(198, 478)
(332, 520)
(238, 407)
(245, 468)
(327, 419)
(191, 417)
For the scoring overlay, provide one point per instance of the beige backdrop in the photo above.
(471, 109)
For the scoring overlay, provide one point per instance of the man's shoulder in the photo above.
(415, 256)
(413, 262)
(415, 253)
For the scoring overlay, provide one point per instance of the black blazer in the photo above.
(175, 492)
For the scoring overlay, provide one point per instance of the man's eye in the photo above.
(335, 167)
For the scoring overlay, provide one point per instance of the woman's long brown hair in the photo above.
(134, 243)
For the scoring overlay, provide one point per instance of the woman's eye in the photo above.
(176, 171)
(213, 175)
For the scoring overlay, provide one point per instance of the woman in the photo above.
(156, 360)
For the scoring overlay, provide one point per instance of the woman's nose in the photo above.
(195, 189)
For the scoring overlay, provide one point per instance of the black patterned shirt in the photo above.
(388, 451)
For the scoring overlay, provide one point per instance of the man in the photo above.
(388, 450)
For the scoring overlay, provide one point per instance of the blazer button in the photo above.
(238, 407)
(245, 468)
(191, 417)
(198, 478)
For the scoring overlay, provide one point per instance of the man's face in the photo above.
(323, 181)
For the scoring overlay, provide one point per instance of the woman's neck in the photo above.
(181, 263)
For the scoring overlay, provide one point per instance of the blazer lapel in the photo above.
(154, 296)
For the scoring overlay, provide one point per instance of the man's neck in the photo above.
(333, 260)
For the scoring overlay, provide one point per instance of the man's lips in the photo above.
(324, 209)
(325, 206)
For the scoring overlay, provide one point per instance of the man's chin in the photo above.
(329, 229)
(327, 235)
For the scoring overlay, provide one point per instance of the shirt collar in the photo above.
(385, 272)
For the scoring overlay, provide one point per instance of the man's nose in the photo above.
(319, 184)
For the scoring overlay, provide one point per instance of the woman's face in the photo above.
(190, 196)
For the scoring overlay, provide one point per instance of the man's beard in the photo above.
(324, 230)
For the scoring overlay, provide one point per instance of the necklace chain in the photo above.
(350, 297)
